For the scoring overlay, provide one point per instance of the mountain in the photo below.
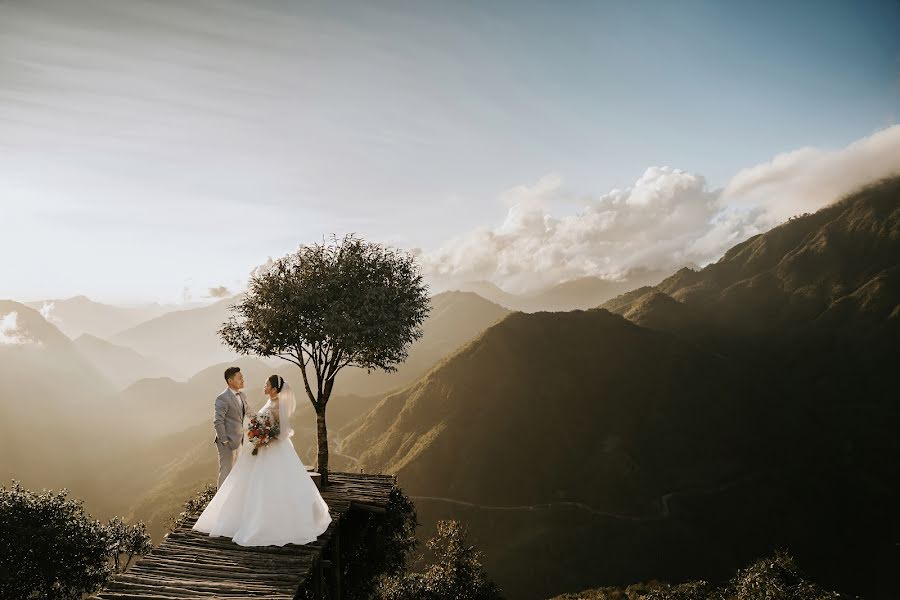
(78, 315)
(793, 274)
(184, 340)
(494, 293)
(454, 319)
(588, 292)
(554, 434)
(739, 408)
(576, 294)
(571, 388)
(49, 395)
(824, 290)
(122, 366)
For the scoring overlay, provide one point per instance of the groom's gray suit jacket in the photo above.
(229, 419)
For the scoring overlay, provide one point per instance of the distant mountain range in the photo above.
(122, 366)
(576, 294)
(187, 342)
(48, 392)
(184, 340)
(78, 315)
(749, 405)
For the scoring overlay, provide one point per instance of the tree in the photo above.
(126, 542)
(455, 574)
(329, 306)
(50, 548)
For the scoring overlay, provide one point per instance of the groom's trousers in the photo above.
(227, 456)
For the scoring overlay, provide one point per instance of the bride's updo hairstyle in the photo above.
(277, 382)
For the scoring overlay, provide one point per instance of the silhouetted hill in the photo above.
(661, 312)
(629, 405)
(78, 315)
(122, 366)
(455, 318)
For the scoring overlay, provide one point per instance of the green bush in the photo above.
(193, 506)
(691, 590)
(455, 574)
(50, 548)
(775, 578)
(127, 541)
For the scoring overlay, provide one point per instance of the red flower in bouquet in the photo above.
(262, 431)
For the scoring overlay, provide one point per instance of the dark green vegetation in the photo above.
(745, 406)
(772, 578)
(50, 548)
(455, 573)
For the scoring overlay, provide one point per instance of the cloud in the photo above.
(667, 219)
(219, 292)
(47, 312)
(263, 268)
(807, 179)
(649, 224)
(10, 333)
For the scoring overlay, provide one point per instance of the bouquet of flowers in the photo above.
(261, 431)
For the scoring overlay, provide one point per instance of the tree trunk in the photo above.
(322, 437)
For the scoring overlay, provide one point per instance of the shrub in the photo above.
(49, 547)
(776, 578)
(193, 506)
(455, 574)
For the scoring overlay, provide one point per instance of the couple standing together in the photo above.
(267, 498)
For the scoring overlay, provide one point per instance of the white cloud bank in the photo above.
(10, 334)
(666, 219)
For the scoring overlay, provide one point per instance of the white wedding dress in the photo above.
(268, 499)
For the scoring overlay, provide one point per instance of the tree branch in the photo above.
(309, 393)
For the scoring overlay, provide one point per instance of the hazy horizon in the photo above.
(153, 153)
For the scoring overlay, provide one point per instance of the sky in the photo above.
(161, 150)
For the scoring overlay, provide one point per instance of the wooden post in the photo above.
(318, 588)
(336, 564)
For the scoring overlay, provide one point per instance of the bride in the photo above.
(268, 499)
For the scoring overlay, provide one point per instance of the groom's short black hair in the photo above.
(231, 372)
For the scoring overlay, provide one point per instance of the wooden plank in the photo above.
(191, 564)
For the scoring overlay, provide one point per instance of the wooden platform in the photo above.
(189, 564)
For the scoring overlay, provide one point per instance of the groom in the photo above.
(229, 421)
